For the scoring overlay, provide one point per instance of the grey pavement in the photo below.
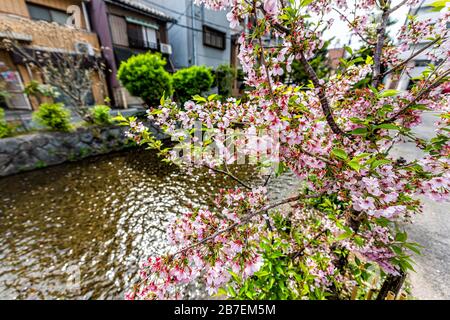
(431, 229)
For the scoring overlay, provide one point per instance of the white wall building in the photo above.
(417, 65)
(200, 36)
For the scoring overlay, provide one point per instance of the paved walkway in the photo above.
(432, 230)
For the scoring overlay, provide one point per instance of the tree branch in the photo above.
(418, 97)
(313, 76)
(229, 174)
(401, 4)
(245, 220)
(321, 93)
(381, 30)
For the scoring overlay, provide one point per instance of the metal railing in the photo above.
(142, 44)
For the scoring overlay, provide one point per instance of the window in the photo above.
(118, 30)
(422, 63)
(135, 35)
(141, 37)
(47, 14)
(150, 38)
(213, 38)
(11, 89)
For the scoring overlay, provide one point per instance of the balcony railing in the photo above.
(142, 44)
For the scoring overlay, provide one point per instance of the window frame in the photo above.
(49, 10)
(213, 33)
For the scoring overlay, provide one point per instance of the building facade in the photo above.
(125, 28)
(19, 22)
(200, 36)
(423, 11)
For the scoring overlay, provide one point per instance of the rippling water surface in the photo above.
(79, 230)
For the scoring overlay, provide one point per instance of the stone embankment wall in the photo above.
(37, 150)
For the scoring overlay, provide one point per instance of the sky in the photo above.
(341, 33)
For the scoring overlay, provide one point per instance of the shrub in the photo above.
(100, 115)
(225, 76)
(144, 76)
(192, 81)
(53, 116)
(5, 130)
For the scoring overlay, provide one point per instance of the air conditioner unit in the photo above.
(84, 48)
(166, 48)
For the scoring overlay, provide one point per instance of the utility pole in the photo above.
(194, 48)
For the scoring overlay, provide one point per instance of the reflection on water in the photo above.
(79, 230)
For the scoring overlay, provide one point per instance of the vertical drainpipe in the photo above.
(100, 25)
(194, 49)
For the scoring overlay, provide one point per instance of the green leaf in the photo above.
(362, 155)
(439, 5)
(387, 126)
(231, 291)
(359, 131)
(349, 50)
(354, 164)
(401, 236)
(304, 3)
(213, 97)
(378, 163)
(198, 98)
(344, 235)
(373, 89)
(340, 153)
(369, 60)
(162, 101)
(414, 247)
(389, 93)
(280, 169)
(221, 292)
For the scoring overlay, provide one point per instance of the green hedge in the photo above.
(144, 76)
(5, 130)
(191, 81)
(100, 115)
(225, 76)
(53, 116)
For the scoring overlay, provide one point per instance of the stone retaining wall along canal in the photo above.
(37, 150)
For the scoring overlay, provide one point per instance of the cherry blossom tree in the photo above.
(343, 223)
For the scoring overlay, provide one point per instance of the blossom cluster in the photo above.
(236, 250)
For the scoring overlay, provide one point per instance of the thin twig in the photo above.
(313, 76)
(418, 97)
(300, 252)
(322, 96)
(229, 174)
(410, 58)
(356, 31)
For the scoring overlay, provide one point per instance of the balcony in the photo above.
(142, 44)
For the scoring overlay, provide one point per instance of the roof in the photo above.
(143, 8)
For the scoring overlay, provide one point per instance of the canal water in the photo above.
(79, 230)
